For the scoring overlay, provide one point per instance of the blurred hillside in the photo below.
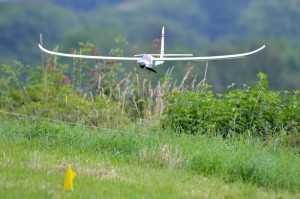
(200, 27)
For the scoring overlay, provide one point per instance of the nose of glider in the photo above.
(142, 64)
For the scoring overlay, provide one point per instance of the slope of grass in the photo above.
(142, 162)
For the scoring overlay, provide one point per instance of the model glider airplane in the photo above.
(148, 61)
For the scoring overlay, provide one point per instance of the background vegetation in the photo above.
(198, 27)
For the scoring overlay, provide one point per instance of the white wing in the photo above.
(87, 56)
(209, 58)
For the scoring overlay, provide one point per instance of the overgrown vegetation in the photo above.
(104, 95)
(252, 110)
(98, 95)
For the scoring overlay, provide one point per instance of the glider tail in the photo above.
(162, 47)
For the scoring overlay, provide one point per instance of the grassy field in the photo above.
(140, 162)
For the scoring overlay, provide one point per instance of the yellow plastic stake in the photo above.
(70, 175)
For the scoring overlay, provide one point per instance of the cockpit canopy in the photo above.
(147, 57)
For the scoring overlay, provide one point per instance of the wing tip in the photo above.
(40, 46)
(261, 48)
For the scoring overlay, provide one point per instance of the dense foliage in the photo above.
(252, 110)
(96, 97)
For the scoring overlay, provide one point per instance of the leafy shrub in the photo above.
(255, 110)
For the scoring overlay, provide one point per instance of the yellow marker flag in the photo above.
(69, 179)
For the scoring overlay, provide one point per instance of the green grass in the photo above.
(140, 162)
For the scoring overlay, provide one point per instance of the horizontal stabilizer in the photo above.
(166, 55)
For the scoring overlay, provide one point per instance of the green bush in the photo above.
(255, 111)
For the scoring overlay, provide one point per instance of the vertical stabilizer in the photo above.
(162, 47)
